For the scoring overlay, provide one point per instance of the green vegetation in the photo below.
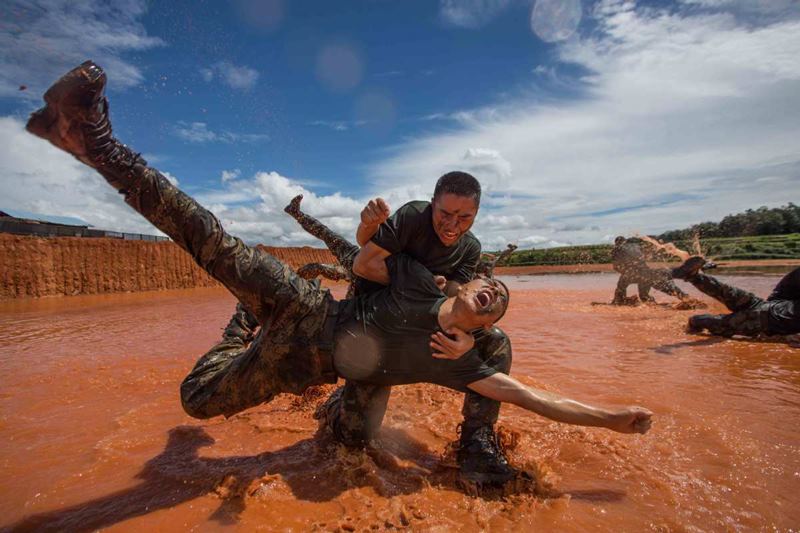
(761, 221)
(722, 249)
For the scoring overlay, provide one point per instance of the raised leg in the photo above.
(734, 299)
(76, 120)
(749, 322)
(344, 251)
(315, 270)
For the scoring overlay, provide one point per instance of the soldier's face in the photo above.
(453, 215)
(484, 299)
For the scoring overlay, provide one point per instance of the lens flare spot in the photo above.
(555, 20)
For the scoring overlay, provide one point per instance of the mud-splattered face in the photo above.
(453, 215)
(485, 299)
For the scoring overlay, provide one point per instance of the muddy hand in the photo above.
(375, 213)
(446, 348)
(631, 420)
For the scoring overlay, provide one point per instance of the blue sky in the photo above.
(581, 119)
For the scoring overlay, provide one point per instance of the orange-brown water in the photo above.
(93, 435)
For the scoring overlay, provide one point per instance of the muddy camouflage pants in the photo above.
(359, 413)
(748, 316)
(647, 278)
(344, 251)
(286, 355)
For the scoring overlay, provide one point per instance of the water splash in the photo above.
(667, 247)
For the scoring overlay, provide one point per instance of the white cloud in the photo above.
(41, 40)
(234, 76)
(681, 115)
(198, 132)
(336, 125)
(228, 175)
(40, 178)
(471, 13)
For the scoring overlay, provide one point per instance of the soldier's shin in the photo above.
(495, 349)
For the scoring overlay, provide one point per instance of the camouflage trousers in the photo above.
(292, 349)
(647, 278)
(357, 410)
(749, 312)
(316, 270)
(343, 250)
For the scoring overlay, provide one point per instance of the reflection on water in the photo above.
(90, 414)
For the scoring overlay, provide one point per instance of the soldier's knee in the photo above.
(190, 401)
(495, 349)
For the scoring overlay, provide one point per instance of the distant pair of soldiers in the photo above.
(629, 260)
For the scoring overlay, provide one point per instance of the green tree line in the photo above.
(761, 221)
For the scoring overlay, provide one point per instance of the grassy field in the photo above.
(721, 249)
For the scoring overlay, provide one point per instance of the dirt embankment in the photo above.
(34, 267)
(724, 266)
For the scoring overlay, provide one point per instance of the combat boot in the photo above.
(241, 327)
(293, 208)
(689, 268)
(480, 458)
(329, 416)
(75, 119)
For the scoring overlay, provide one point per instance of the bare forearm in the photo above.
(365, 232)
(504, 388)
(562, 409)
(372, 270)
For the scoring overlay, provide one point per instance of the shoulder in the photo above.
(415, 207)
(471, 242)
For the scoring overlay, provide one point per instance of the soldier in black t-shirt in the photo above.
(303, 331)
(437, 235)
(750, 315)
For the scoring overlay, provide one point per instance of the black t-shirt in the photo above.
(410, 230)
(384, 337)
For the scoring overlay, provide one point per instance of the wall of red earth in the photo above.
(65, 266)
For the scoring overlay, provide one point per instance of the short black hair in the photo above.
(619, 240)
(460, 184)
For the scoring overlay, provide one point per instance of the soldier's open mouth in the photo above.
(484, 299)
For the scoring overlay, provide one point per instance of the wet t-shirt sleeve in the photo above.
(396, 233)
(458, 373)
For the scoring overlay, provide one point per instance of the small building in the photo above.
(21, 222)
(26, 223)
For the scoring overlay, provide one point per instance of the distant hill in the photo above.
(753, 222)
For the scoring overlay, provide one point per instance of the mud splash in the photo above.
(669, 247)
(95, 437)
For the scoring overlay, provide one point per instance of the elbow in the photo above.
(359, 266)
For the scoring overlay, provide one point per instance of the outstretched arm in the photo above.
(504, 388)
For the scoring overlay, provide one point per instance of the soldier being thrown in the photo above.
(305, 337)
(750, 315)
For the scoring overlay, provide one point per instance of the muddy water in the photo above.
(93, 436)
